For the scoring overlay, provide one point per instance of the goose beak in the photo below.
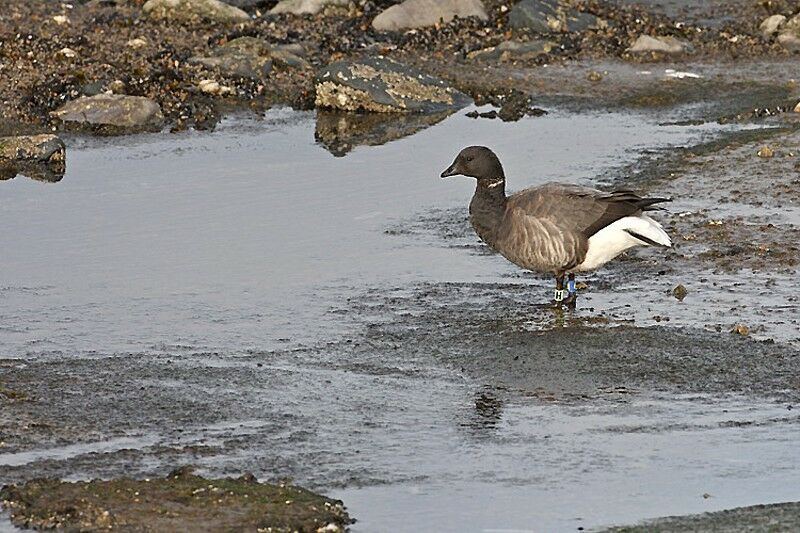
(449, 171)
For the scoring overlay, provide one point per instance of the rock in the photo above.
(421, 13)
(41, 157)
(517, 105)
(61, 19)
(789, 35)
(594, 76)
(67, 53)
(186, 10)
(549, 16)
(283, 58)
(249, 57)
(92, 88)
(382, 85)
(117, 87)
(741, 329)
(771, 25)
(680, 292)
(667, 45)
(214, 87)
(237, 65)
(797, 108)
(138, 42)
(248, 3)
(513, 50)
(226, 504)
(114, 113)
(305, 7)
(765, 152)
(251, 46)
(486, 114)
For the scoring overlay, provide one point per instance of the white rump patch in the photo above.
(612, 240)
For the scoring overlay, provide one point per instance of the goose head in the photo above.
(477, 162)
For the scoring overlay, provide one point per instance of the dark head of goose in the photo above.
(477, 162)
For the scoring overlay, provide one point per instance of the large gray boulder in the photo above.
(550, 16)
(41, 157)
(187, 10)
(420, 13)
(382, 85)
(115, 113)
(664, 45)
(306, 7)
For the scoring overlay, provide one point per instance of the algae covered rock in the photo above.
(181, 501)
(382, 85)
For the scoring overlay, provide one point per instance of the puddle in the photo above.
(220, 242)
(203, 291)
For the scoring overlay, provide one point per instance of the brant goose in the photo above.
(556, 227)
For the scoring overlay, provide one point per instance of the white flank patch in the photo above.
(612, 240)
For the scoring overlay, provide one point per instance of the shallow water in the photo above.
(230, 241)
(222, 273)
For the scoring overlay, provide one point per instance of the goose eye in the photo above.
(469, 159)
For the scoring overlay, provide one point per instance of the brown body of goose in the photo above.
(557, 228)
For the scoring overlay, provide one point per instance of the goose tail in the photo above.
(647, 230)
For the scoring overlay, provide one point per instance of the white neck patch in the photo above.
(496, 183)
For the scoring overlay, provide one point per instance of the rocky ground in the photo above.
(53, 53)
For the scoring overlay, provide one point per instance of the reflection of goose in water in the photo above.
(556, 227)
(339, 132)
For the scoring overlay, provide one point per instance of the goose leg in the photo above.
(560, 293)
(571, 298)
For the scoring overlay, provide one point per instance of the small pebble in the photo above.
(61, 19)
(67, 52)
(213, 87)
(765, 152)
(117, 87)
(741, 329)
(797, 108)
(136, 43)
(594, 76)
(680, 292)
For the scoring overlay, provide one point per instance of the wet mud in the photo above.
(777, 517)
